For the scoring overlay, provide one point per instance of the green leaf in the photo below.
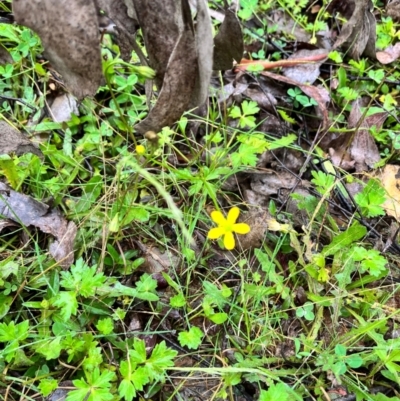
(235, 112)
(97, 387)
(191, 338)
(275, 392)
(146, 288)
(377, 75)
(82, 279)
(66, 300)
(105, 326)
(140, 377)
(354, 233)
(340, 350)
(51, 349)
(14, 332)
(354, 361)
(47, 386)
(218, 318)
(371, 199)
(161, 358)
(127, 390)
(371, 260)
(214, 295)
(250, 107)
(5, 303)
(138, 353)
(348, 94)
(177, 301)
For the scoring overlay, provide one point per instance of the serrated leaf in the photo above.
(66, 301)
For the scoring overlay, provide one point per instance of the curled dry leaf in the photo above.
(27, 211)
(390, 54)
(126, 26)
(358, 34)
(320, 95)
(357, 149)
(12, 141)
(228, 44)
(265, 100)
(162, 24)
(69, 32)
(180, 53)
(178, 83)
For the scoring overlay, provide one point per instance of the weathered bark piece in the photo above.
(204, 47)
(69, 32)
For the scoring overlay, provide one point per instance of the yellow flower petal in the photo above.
(218, 217)
(233, 214)
(241, 228)
(229, 241)
(216, 232)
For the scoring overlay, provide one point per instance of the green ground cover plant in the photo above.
(233, 255)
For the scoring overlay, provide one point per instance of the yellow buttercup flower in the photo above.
(140, 150)
(227, 226)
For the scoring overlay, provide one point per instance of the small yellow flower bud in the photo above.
(140, 150)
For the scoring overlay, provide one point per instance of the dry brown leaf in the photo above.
(258, 222)
(286, 25)
(320, 95)
(5, 56)
(390, 180)
(271, 182)
(357, 150)
(363, 149)
(62, 108)
(178, 84)
(306, 73)
(228, 44)
(393, 10)
(157, 261)
(126, 26)
(162, 24)
(358, 34)
(264, 100)
(345, 7)
(69, 32)
(389, 55)
(29, 212)
(12, 141)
